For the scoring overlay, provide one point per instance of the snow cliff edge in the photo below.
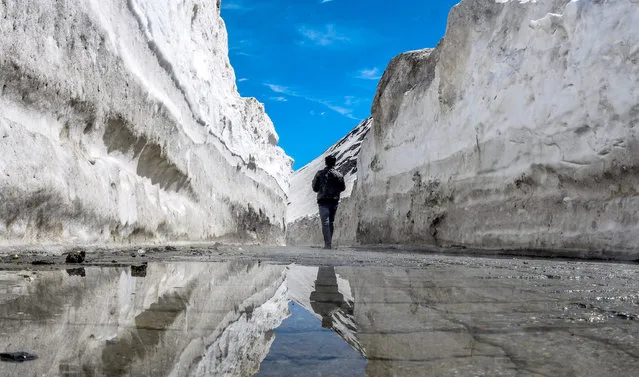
(121, 121)
(519, 130)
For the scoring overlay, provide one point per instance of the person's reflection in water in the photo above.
(326, 299)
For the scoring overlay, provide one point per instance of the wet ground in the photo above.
(231, 311)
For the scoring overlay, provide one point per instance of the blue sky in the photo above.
(315, 64)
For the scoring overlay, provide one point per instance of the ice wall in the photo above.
(121, 121)
(519, 130)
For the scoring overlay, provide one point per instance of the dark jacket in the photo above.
(328, 184)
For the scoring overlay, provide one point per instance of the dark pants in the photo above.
(327, 216)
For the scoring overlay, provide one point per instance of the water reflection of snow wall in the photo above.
(180, 319)
(112, 324)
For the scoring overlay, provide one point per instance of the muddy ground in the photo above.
(44, 258)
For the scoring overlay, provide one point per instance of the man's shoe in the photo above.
(327, 247)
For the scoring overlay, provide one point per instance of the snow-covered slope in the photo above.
(518, 130)
(302, 216)
(120, 120)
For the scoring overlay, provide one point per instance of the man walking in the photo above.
(328, 184)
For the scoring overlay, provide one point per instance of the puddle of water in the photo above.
(302, 347)
(245, 319)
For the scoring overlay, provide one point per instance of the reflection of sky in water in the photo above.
(303, 348)
(219, 319)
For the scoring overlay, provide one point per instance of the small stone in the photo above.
(76, 272)
(75, 257)
(17, 357)
(138, 271)
(141, 252)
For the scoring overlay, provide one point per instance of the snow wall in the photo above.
(120, 121)
(517, 131)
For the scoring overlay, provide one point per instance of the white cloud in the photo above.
(343, 110)
(237, 5)
(325, 1)
(326, 36)
(242, 79)
(351, 101)
(231, 5)
(280, 89)
(244, 47)
(339, 109)
(369, 74)
(279, 99)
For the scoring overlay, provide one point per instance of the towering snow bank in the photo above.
(121, 120)
(302, 215)
(518, 130)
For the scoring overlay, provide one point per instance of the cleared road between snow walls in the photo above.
(303, 224)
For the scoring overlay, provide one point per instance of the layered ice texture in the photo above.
(120, 121)
(519, 130)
